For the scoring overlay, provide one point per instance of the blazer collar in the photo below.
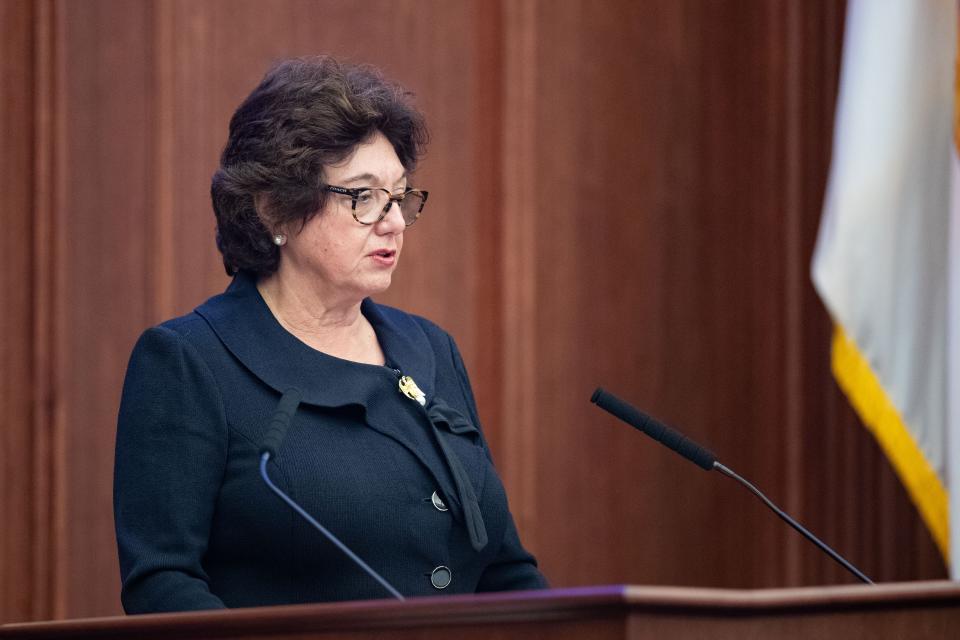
(248, 329)
(245, 325)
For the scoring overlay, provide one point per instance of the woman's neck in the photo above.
(335, 327)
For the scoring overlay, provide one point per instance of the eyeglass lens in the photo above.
(372, 202)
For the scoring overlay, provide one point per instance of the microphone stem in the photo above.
(793, 523)
(264, 458)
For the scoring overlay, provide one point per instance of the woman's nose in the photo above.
(393, 221)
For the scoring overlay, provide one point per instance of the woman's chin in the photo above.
(378, 284)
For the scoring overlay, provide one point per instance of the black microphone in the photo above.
(276, 433)
(704, 459)
(660, 432)
(280, 423)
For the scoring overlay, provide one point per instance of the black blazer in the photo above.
(198, 529)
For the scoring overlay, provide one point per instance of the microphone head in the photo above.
(667, 436)
(277, 431)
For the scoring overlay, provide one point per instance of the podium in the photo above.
(914, 610)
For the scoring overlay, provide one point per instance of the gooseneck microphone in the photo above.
(276, 433)
(670, 438)
(704, 459)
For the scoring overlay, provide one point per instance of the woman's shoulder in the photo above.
(189, 329)
(192, 327)
(188, 334)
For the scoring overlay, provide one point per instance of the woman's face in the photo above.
(345, 260)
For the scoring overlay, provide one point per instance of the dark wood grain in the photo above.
(102, 239)
(27, 193)
(657, 180)
(16, 320)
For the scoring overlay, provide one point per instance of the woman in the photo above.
(312, 199)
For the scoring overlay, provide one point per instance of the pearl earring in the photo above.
(279, 239)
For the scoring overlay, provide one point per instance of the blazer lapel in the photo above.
(247, 328)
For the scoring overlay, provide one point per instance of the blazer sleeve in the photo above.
(513, 568)
(170, 458)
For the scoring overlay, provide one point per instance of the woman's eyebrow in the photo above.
(366, 177)
(369, 177)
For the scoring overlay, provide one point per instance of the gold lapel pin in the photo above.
(410, 389)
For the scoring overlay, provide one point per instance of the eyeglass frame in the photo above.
(355, 192)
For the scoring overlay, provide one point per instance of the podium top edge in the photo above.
(605, 601)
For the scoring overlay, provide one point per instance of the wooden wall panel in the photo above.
(16, 254)
(627, 290)
(623, 194)
(26, 393)
(103, 237)
(681, 151)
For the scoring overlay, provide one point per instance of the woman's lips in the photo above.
(384, 257)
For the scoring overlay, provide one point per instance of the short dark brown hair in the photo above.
(305, 114)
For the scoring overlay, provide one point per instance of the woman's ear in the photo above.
(261, 202)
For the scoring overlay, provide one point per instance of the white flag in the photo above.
(882, 262)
